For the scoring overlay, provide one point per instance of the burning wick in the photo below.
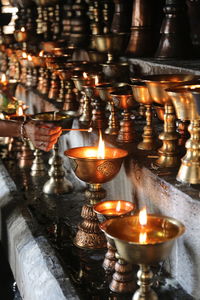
(96, 80)
(4, 79)
(78, 129)
(85, 75)
(101, 147)
(143, 223)
(41, 53)
(24, 55)
(22, 29)
(29, 57)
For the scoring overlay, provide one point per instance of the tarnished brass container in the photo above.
(91, 169)
(157, 85)
(112, 44)
(186, 102)
(141, 95)
(123, 99)
(62, 119)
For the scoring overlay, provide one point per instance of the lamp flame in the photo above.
(29, 57)
(143, 222)
(85, 75)
(22, 29)
(143, 217)
(96, 80)
(24, 55)
(101, 147)
(4, 79)
(41, 53)
(118, 207)
(19, 110)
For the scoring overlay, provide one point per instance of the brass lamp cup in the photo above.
(124, 99)
(108, 209)
(95, 171)
(186, 102)
(141, 95)
(91, 169)
(112, 44)
(125, 234)
(160, 111)
(157, 85)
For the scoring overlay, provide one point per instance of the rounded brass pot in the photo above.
(157, 85)
(91, 169)
(62, 119)
(125, 233)
(123, 99)
(141, 93)
(160, 111)
(111, 43)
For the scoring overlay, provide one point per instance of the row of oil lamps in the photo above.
(138, 239)
(94, 94)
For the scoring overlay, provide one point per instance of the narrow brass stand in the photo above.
(145, 292)
(58, 183)
(89, 235)
(168, 153)
(38, 166)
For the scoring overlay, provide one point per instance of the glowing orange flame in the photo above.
(4, 80)
(24, 55)
(23, 29)
(85, 75)
(101, 147)
(118, 207)
(143, 217)
(19, 110)
(143, 222)
(2, 116)
(29, 57)
(41, 53)
(96, 80)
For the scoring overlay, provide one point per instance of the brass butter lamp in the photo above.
(143, 240)
(123, 99)
(142, 96)
(157, 85)
(57, 184)
(186, 102)
(119, 271)
(95, 167)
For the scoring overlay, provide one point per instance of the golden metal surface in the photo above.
(160, 111)
(113, 208)
(141, 95)
(93, 170)
(161, 234)
(186, 99)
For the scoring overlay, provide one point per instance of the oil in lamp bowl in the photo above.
(157, 85)
(161, 234)
(62, 119)
(114, 208)
(91, 169)
(183, 98)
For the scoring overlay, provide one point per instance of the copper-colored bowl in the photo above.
(157, 85)
(161, 234)
(123, 99)
(113, 43)
(184, 101)
(105, 89)
(91, 169)
(141, 93)
(62, 119)
(109, 208)
(160, 111)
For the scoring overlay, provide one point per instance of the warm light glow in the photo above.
(19, 110)
(96, 80)
(29, 57)
(41, 53)
(2, 116)
(23, 29)
(4, 80)
(143, 217)
(142, 237)
(101, 147)
(24, 55)
(85, 75)
(118, 207)
(196, 86)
